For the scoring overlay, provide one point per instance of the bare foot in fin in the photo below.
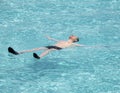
(36, 56)
(11, 50)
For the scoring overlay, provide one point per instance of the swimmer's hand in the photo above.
(48, 37)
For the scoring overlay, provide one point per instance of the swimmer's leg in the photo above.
(11, 50)
(43, 54)
(35, 49)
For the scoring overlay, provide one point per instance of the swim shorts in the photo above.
(53, 47)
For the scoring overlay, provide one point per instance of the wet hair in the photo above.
(70, 36)
(77, 39)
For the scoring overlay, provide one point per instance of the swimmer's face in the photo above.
(74, 38)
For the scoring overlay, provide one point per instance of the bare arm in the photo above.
(79, 45)
(94, 46)
(52, 39)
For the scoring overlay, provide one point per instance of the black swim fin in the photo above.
(36, 56)
(11, 50)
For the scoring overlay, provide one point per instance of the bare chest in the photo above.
(63, 44)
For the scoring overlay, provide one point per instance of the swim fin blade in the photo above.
(11, 50)
(36, 56)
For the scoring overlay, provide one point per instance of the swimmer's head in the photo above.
(74, 38)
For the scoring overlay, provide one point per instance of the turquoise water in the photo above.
(24, 24)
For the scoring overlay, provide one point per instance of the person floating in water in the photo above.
(58, 46)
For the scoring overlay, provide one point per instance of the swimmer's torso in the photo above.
(63, 44)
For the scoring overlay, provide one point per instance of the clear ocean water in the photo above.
(24, 24)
